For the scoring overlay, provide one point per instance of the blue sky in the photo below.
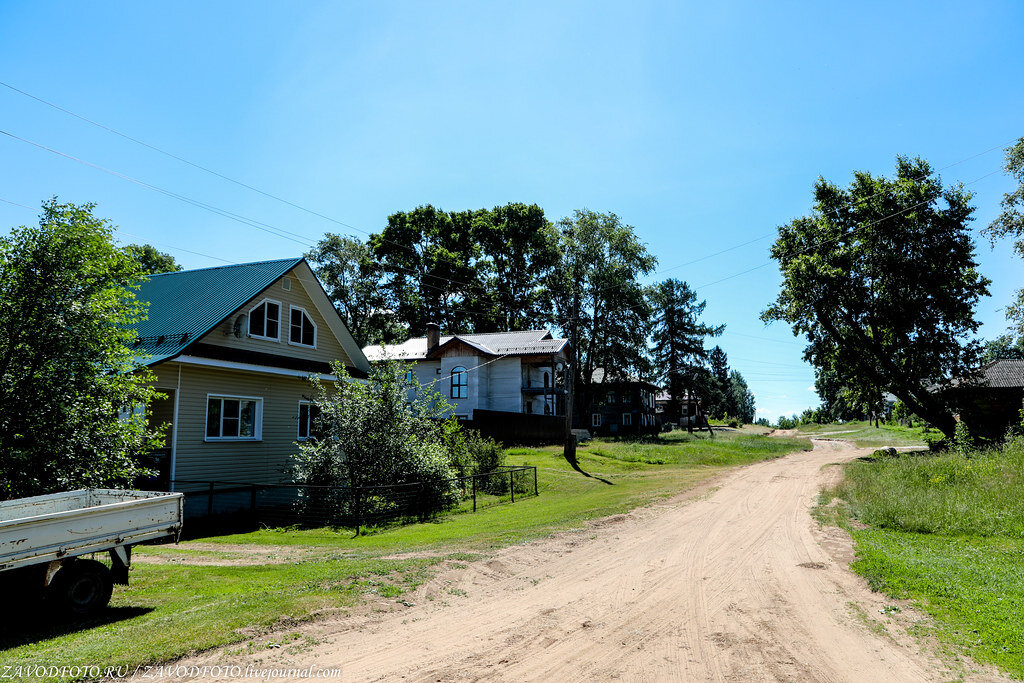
(702, 125)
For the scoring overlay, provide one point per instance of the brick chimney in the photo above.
(433, 337)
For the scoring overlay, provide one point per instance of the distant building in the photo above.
(621, 405)
(489, 377)
(991, 402)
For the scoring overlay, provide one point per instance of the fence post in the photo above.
(355, 497)
(535, 482)
(512, 484)
(209, 503)
(473, 479)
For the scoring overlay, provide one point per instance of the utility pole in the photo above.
(569, 452)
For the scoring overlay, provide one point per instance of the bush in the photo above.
(371, 435)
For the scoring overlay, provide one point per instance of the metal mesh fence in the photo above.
(301, 505)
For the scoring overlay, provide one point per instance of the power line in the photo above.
(403, 246)
(304, 240)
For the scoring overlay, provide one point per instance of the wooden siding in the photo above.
(264, 461)
(327, 346)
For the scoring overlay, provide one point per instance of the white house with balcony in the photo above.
(512, 372)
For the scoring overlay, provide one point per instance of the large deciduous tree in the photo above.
(519, 250)
(353, 282)
(598, 299)
(429, 260)
(66, 368)
(882, 279)
(679, 353)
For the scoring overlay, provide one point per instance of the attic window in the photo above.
(286, 284)
(265, 321)
(302, 329)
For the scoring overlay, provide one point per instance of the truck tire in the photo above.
(82, 587)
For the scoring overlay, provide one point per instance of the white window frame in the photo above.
(627, 419)
(316, 332)
(596, 419)
(257, 427)
(248, 321)
(309, 422)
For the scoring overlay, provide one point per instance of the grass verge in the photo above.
(946, 531)
(866, 435)
(221, 590)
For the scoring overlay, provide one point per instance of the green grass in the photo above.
(220, 590)
(947, 531)
(865, 434)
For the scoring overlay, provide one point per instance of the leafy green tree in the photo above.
(678, 337)
(66, 368)
(740, 398)
(519, 250)
(153, 262)
(882, 279)
(388, 431)
(430, 261)
(1010, 223)
(353, 282)
(837, 405)
(1003, 346)
(598, 299)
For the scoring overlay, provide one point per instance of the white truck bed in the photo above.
(64, 525)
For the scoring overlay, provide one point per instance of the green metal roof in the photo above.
(186, 305)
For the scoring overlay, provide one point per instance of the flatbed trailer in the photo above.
(43, 540)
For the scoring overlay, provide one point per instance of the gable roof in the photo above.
(185, 306)
(518, 343)
(1005, 373)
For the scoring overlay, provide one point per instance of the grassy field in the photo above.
(946, 531)
(220, 590)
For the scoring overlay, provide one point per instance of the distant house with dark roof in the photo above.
(622, 404)
(488, 377)
(232, 348)
(990, 402)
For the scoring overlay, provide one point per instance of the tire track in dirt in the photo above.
(735, 585)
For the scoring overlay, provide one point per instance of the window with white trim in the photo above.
(301, 328)
(595, 420)
(460, 382)
(265, 320)
(234, 418)
(627, 419)
(308, 414)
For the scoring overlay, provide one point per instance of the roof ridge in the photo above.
(229, 265)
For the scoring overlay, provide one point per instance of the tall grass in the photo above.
(948, 494)
(947, 530)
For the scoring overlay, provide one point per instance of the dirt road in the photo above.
(735, 584)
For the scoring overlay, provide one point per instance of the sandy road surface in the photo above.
(737, 584)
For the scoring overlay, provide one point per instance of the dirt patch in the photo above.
(226, 555)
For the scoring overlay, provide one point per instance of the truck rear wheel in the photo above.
(82, 587)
